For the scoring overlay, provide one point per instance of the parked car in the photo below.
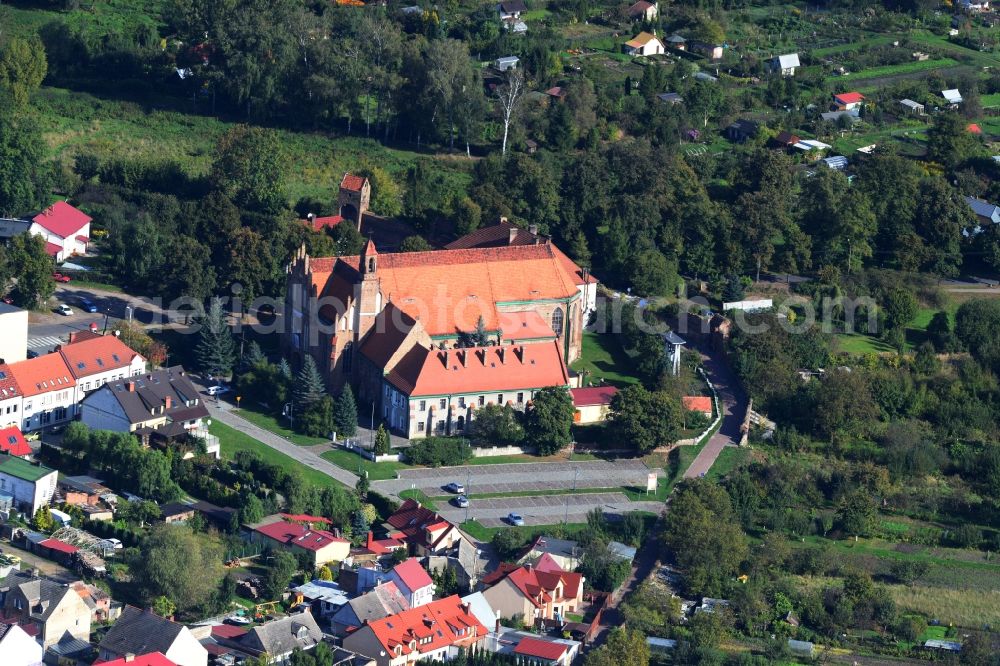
(59, 277)
(237, 620)
(32, 436)
(218, 389)
(87, 305)
(462, 502)
(65, 310)
(31, 353)
(112, 544)
(456, 488)
(515, 519)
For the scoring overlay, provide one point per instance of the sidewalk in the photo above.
(301, 453)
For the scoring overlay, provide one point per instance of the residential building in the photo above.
(986, 212)
(11, 399)
(65, 229)
(511, 9)
(148, 659)
(532, 593)
(506, 63)
(325, 597)
(915, 108)
(436, 631)
(565, 553)
(54, 608)
(677, 42)
(160, 406)
(95, 360)
(643, 11)
(12, 442)
(708, 49)
(84, 490)
(643, 44)
(381, 602)
(277, 639)
(48, 391)
(378, 321)
(785, 139)
(30, 485)
(14, 341)
(18, 648)
(848, 101)
(592, 403)
(742, 130)
(102, 609)
(784, 64)
(142, 631)
(424, 532)
(540, 650)
(321, 546)
(413, 582)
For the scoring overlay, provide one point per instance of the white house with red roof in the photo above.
(413, 581)
(297, 537)
(436, 631)
(848, 101)
(11, 399)
(545, 651)
(18, 647)
(48, 391)
(148, 659)
(94, 360)
(592, 403)
(65, 229)
(423, 531)
(13, 442)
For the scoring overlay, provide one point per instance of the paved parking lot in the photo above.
(520, 477)
(544, 509)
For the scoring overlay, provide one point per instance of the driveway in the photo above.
(519, 477)
(734, 407)
(545, 509)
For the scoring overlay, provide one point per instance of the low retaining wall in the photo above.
(488, 451)
(370, 455)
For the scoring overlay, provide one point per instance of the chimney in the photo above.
(311, 217)
(168, 402)
(131, 387)
(503, 220)
(533, 229)
(371, 538)
(465, 358)
(129, 657)
(501, 352)
(511, 235)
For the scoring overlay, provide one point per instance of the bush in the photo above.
(439, 451)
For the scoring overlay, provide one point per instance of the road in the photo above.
(519, 477)
(545, 509)
(223, 411)
(734, 407)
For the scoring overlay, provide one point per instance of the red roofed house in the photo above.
(10, 397)
(353, 198)
(423, 531)
(48, 391)
(322, 546)
(321, 223)
(643, 44)
(413, 581)
(13, 442)
(592, 403)
(544, 652)
(848, 101)
(698, 403)
(150, 659)
(389, 323)
(436, 631)
(642, 11)
(66, 230)
(95, 360)
(533, 593)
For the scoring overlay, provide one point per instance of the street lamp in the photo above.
(287, 411)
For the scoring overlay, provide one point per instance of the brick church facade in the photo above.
(391, 325)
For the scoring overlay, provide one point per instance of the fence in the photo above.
(367, 454)
(715, 421)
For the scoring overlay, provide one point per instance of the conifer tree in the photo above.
(309, 386)
(345, 413)
(215, 351)
(382, 442)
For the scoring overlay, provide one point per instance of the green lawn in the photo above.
(603, 359)
(232, 440)
(97, 20)
(272, 424)
(856, 343)
(893, 70)
(730, 458)
(990, 101)
(87, 284)
(420, 496)
(352, 462)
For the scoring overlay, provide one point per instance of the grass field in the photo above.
(96, 20)
(856, 343)
(75, 122)
(232, 440)
(914, 67)
(352, 462)
(990, 101)
(272, 424)
(603, 359)
(730, 458)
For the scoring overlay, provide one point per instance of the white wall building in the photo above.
(18, 648)
(14, 340)
(30, 484)
(65, 229)
(48, 389)
(95, 360)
